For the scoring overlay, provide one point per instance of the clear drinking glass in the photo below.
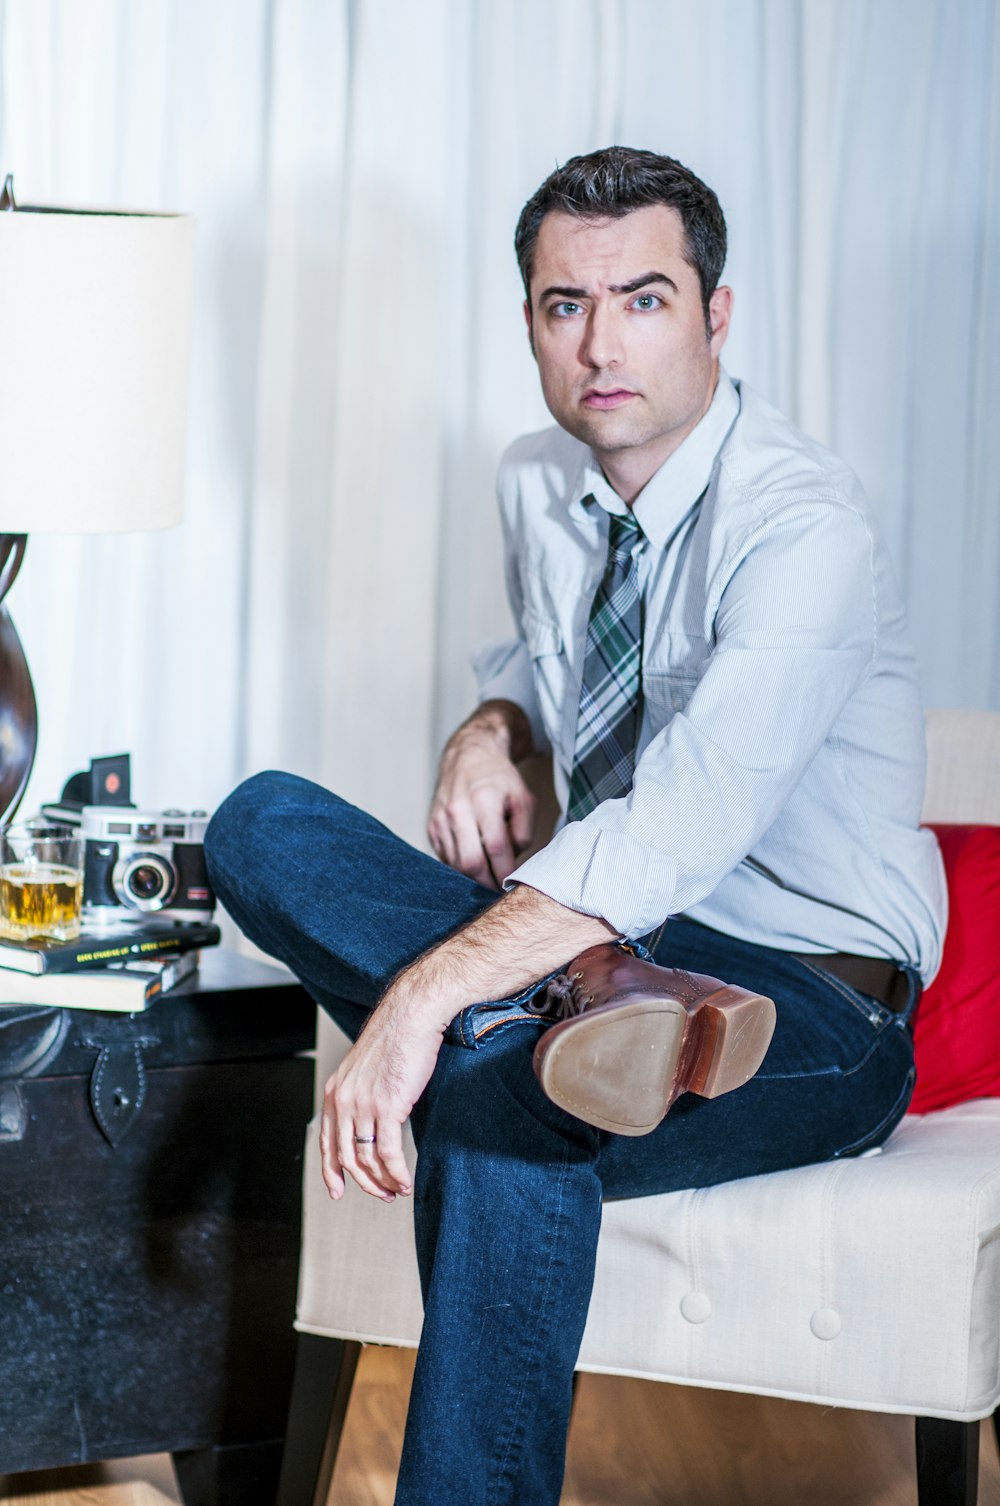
(41, 881)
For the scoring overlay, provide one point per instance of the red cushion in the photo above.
(957, 1038)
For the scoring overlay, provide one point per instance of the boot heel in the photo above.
(736, 1030)
(615, 1069)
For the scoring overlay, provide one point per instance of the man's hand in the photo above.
(483, 813)
(520, 938)
(371, 1094)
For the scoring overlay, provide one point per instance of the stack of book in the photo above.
(121, 970)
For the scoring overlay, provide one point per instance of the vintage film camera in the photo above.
(136, 863)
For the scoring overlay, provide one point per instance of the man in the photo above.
(737, 740)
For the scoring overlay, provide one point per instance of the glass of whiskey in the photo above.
(41, 882)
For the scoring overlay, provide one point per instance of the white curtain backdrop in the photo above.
(357, 167)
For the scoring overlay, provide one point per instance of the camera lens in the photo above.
(145, 882)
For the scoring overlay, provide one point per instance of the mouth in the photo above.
(601, 398)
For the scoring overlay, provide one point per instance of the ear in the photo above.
(720, 311)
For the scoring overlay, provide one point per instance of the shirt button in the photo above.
(695, 1307)
(825, 1323)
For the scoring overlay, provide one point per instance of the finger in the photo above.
(441, 839)
(361, 1146)
(368, 1162)
(470, 856)
(384, 1160)
(441, 836)
(521, 807)
(494, 881)
(329, 1160)
(496, 840)
(390, 1150)
(434, 826)
(343, 1117)
(374, 1149)
(358, 1169)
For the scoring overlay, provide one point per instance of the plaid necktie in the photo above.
(611, 692)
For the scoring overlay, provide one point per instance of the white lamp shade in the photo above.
(95, 334)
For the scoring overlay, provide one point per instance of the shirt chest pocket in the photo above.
(671, 670)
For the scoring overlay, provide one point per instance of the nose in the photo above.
(603, 347)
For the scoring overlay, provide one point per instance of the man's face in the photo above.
(618, 331)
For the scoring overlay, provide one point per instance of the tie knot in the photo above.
(623, 534)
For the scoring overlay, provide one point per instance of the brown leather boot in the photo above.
(633, 1036)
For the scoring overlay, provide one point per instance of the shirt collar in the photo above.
(673, 490)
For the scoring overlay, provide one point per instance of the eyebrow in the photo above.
(623, 287)
(644, 281)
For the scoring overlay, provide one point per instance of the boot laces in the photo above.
(566, 996)
(562, 999)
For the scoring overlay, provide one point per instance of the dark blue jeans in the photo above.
(508, 1190)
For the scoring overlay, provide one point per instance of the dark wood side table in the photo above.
(148, 1268)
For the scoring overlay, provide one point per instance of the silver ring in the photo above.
(364, 1139)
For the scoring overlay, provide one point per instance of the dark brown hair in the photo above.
(613, 182)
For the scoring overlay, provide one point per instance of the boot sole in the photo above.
(621, 1066)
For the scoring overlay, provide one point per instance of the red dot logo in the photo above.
(113, 784)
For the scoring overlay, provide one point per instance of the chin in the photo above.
(602, 432)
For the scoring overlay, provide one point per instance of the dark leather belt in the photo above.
(874, 976)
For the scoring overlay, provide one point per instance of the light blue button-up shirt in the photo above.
(781, 757)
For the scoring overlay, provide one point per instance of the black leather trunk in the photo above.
(150, 1194)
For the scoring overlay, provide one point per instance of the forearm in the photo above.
(520, 939)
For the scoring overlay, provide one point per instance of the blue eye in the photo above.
(647, 301)
(564, 310)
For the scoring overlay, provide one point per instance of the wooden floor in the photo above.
(633, 1443)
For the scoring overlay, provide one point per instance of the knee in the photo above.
(241, 829)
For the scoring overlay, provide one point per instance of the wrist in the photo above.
(503, 726)
(512, 944)
(420, 999)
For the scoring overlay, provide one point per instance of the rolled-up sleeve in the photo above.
(794, 637)
(503, 673)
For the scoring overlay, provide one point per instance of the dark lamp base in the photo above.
(18, 708)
